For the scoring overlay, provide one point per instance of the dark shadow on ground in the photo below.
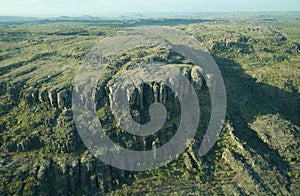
(247, 98)
(250, 98)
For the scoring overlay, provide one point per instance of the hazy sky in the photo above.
(104, 7)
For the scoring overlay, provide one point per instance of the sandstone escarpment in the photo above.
(257, 153)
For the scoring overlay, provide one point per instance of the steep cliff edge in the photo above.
(257, 152)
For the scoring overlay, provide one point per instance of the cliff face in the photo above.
(41, 149)
(256, 153)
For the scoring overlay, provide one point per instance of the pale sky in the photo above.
(104, 7)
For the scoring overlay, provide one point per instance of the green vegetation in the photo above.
(257, 152)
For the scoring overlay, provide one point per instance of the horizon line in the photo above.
(118, 14)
